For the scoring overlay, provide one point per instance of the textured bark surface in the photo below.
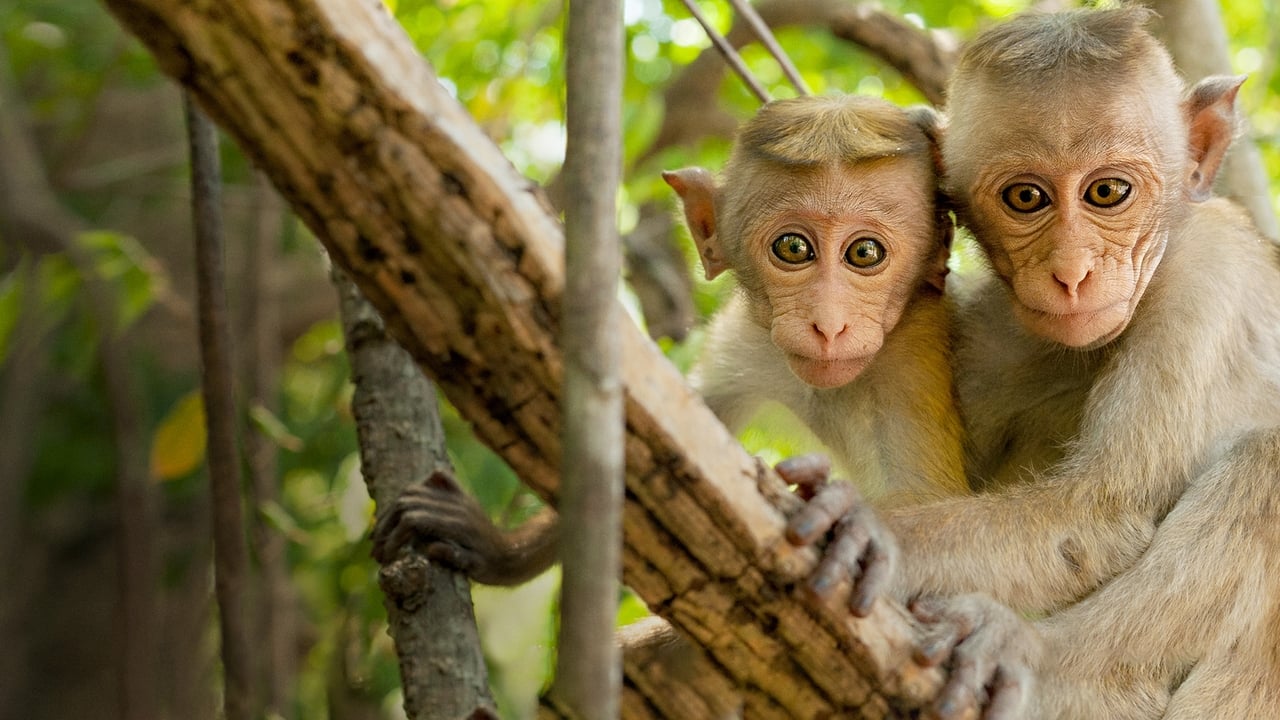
(459, 255)
(402, 441)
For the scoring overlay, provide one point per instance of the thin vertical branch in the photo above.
(765, 35)
(588, 666)
(276, 620)
(726, 49)
(229, 555)
(402, 441)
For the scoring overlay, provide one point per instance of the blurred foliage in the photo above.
(502, 59)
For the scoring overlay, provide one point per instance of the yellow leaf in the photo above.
(177, 447)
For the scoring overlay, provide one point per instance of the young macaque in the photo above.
(828, 218)
(1119, 375)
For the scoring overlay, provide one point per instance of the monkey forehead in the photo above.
(1006, 128)
(886, 193)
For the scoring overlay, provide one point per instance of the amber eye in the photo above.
(1025, 197)
(864, 253)
(1107, 192)
(792, 249)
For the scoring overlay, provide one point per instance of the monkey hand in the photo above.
(988, 650)
(861, 555)
(448, 524)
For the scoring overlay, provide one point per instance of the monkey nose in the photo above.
(829, 330)
(1070, 276)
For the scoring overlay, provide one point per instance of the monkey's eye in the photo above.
(792, 249)
(864, 253)
(1025, 197)
(1107, 192)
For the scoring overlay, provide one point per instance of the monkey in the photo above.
(828, 219)
(1118, 371)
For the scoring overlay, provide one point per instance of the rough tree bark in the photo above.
(464, 263)
(230, 560)
(401, 442)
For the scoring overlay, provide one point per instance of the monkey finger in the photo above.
(956, 701)
(936, 645)
(841, 567)
(943, 630)
(453, 556)
(808, 472)
(818, 516)
(388, 540)
(878, 566)
(1009, 693)
(442, 480)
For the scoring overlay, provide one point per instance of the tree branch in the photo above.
(230, 559)
(588, 666)
(402, 442)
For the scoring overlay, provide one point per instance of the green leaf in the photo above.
(131, 272)
(177, 448)
(274, 428)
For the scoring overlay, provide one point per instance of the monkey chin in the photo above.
(826, 373)
(1080, 331)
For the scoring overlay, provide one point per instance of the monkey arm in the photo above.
(453, 529)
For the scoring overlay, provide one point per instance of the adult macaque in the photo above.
(828, 219)
(1118, 375)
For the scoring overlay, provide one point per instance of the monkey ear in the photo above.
(697, 191)
(933, 124)
(1211, 121)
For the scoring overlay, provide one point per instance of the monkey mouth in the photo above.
(826, 373)
(1083, 330)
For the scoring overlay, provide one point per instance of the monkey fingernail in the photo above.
(863, 604)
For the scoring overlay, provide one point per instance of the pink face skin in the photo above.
(1072, 194)
(1076, 243)
(838, 256)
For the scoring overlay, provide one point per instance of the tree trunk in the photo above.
(401, 442)
(460, 257)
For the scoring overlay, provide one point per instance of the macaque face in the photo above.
(1071, 203)
(837, 253)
